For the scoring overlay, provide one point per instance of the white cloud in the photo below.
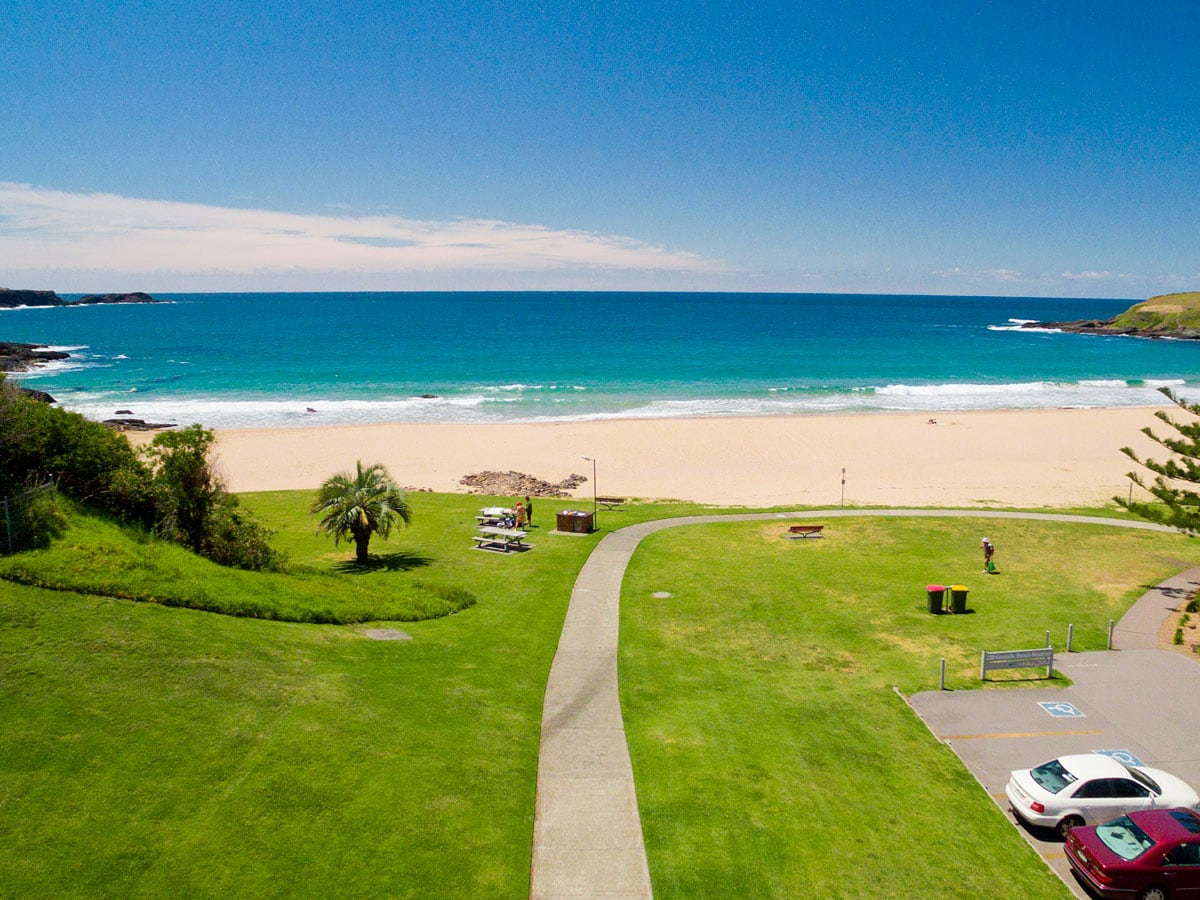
(1086, 276)
(43, 230)
(979, 274)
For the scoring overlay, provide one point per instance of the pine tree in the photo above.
(1176, 481)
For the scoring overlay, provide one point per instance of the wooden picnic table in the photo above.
(492, 537)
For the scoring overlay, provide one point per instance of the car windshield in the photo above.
(1139, 775)
(1052, 776)
(1124, 838)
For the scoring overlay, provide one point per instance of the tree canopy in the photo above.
(356, 505)
(1176, 484)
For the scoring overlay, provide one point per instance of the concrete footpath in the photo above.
(587, 839)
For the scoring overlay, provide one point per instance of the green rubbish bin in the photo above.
(958, 598)
(937, 595)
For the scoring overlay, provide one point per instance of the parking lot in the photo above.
(1143, 703)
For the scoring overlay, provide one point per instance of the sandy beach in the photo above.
(1050, 458)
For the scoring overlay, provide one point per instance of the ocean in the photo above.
(298, 359)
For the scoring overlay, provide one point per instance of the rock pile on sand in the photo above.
(518, 484)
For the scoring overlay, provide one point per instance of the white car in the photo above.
(1089, 788)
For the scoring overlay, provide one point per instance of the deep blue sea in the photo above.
(251, 360)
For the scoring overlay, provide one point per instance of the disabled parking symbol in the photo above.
(1122, 756)
(1061, 709)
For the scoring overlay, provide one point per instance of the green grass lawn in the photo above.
(147, 750)
(772, 756)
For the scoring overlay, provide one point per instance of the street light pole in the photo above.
(595, 503)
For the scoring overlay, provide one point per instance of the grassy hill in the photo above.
(1174, 315)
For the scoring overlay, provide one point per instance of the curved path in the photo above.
(587, 835)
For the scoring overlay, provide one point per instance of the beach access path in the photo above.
(587, 837)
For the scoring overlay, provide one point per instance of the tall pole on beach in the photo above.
(595, 504)
(843, 486)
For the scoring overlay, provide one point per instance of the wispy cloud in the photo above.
(58, 231)
(979, 274)
(1086, 276)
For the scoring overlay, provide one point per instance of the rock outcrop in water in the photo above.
(134, 297)
(10, 299)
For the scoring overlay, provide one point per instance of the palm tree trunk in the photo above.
(361, 541)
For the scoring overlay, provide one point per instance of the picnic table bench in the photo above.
(491, 537)
(611, 502)
(805, 531)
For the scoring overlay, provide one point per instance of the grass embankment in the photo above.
(772, 756)
(99, 557)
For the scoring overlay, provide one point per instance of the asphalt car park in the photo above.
(1141, 706)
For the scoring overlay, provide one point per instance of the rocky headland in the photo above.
(1166, 316)
(10, 299)
(16, 357)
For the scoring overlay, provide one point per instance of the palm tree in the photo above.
(357, 505)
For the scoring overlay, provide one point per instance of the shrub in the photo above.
(88, 462)
(193, 508)
(44, 521)
(1178, 635)
(1193, 605)
(234, 538)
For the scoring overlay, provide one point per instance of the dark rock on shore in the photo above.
(16, 357)
(136, 425)
(39, 396)
(1112, 327)
(518, 484)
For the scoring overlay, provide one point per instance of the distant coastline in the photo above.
(13, 299)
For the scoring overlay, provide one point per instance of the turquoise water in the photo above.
(249, 360)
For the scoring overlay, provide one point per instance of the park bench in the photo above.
(805, 531)
(611, 502)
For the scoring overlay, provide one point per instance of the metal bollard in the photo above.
(1070, 633)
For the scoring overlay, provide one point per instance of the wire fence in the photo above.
(16, 524)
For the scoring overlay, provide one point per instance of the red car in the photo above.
(1153, 854)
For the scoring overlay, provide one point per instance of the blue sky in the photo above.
(921, 147)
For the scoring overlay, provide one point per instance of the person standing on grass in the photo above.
(529, 511)
(989, 550)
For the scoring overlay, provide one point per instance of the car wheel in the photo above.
(1153, 893)
(1067, 824)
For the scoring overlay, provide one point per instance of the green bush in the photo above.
(44, 521)
(236, 539)
(1178, 635)
(1193, 605)
(87, 461)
